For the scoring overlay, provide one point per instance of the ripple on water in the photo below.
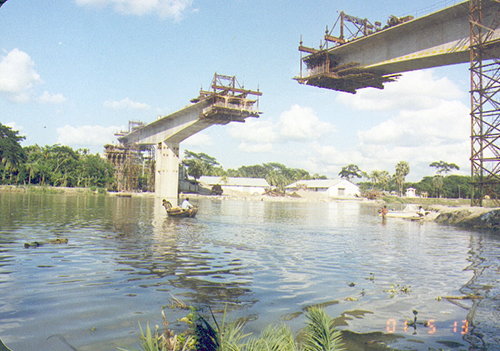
(267, 260)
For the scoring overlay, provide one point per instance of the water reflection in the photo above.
(484, 313)
(268, 260)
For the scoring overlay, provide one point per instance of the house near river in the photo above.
(245, 185)
(328, 187)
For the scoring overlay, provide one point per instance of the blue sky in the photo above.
(74, 72)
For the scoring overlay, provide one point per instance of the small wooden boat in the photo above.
(179, 212)
(411, 212)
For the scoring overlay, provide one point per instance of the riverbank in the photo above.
(465, 216)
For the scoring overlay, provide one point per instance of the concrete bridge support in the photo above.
(167, 171)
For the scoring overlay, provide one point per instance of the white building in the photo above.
(411, 192)
(330, 187)
(247, 185)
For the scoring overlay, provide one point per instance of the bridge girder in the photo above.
(379, 56)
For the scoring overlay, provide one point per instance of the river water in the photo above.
(265, 261)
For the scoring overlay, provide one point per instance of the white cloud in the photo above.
(253, 130)
(298, 124)
(326, 159)
(126, 104)
(86, 136)
(46, 98)
(427, 121)
(17, 75)
(414, 90)
(198, 139)
(163, 8)
(301, 123)
(255, 147)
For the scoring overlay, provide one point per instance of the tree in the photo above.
(443, 167)
(402, 170)
(374, 177)
(200, 164)
(11, 152)
(350, 171)
(437, 183)
(384, 179)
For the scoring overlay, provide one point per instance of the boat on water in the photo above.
(410, 212)
(179, 212)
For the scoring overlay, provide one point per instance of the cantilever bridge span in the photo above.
(226, 102)
(372, 56)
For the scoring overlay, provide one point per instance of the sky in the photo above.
(74, 72)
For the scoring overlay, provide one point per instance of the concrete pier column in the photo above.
(167, 171)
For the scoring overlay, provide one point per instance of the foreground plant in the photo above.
(318, 335)
(166, 341)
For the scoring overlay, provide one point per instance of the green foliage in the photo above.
(443, 167)
(320, 333)
(59, 165)
(11, 154)
(149, 341)
(350, 171)
(200, 164)
(276, 174)
(402, 170)
(380, 179)
(273, 338)
(452, 186)
(226, 336)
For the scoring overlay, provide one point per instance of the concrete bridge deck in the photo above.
(438, 39)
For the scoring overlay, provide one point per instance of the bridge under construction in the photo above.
(366, 55)
(225, 102)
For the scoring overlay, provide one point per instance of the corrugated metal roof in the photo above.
(233, 181)
(317, 183)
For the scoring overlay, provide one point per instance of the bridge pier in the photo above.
(226, 102)
(167, 171)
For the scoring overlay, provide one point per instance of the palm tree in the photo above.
(402, 170)
(384, 179)
(374, 177)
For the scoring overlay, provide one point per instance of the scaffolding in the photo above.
(324, 72)
(229, 101)
(485, 104)
(133, 164)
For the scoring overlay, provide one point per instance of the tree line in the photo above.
(440, 185)
(59, 165)
(276, 174)
(54, 165)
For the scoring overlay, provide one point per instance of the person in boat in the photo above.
(421, 212)
(384, 211)
(186, 205)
